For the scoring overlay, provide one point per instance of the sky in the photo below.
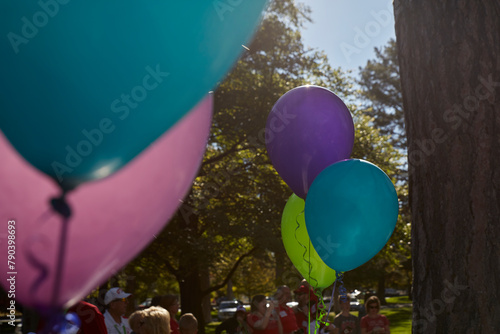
(349, 30)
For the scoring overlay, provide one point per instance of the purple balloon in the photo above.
(112, 219)
(308, 129)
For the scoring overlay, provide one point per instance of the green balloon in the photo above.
(299, 248)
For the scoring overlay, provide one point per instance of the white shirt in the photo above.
(115, 328)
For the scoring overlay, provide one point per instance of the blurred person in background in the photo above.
(264, 319)
(188, 324)
(155, 320)
(283, 295)
(373, 322)
(171, 304)
(237, 324)
(345, 322)
(116, 305)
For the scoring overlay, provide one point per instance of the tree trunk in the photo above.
(229, 290)
(206, 305)
(280, 268)
(381, 289)
(191, 297)
(130, 287)
(450, 73)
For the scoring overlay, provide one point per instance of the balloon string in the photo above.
(32, 259)
(306, 256)
(302, 245)
(305, 253)
(295, 234)
(320, 311)
(309, 263)
(331, 299)
(62, 208)
(59, 206)
(342, 289)
(60, 261)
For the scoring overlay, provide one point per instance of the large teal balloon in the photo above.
(87, 85)
(298, 246)
(351, 211)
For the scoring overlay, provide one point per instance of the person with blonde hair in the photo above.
(135, 321)
(374, 322)
(155, 320)
(188, 324)
(171, 304)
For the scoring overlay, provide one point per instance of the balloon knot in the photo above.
(60, 206)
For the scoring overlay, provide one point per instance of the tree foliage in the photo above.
(229, 224)
(381, 90)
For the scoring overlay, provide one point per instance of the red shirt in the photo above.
(370, 323)
(303, 318)
(288, 320)
(174, 326)
(92, 320)
(272, 325)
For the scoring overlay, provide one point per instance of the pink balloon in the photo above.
(112, 219)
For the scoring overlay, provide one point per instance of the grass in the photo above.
(398, 300)
(399, 317)
(210, 328)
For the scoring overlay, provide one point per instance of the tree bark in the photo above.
(381, 289)
(192, 297)
(450, 74)
(206, 305)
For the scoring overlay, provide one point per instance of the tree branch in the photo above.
(219, 157)
(230, 274)
(171, 269)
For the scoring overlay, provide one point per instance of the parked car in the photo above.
(227, 309)
(389, 292)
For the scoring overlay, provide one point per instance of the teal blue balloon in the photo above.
(85, 86)
(351, 211)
